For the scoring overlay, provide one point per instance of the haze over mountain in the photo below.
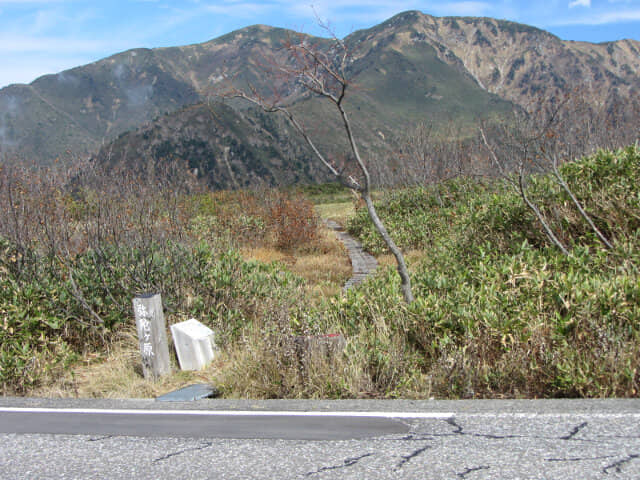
(412, 67)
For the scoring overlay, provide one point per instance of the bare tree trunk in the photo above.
(324, 74)
(522, 189)
(578, 205)
(405, 280)
(540, 217)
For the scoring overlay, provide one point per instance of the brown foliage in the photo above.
(293, 221)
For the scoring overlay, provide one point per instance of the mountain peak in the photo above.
(425, 64)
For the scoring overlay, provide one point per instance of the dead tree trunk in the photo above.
(322, 72)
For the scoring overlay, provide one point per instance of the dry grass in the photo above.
(411, 257)
(326, 267)
(338, 212)
(246, 368)
(266, 254)
(270, 366)
(118, 374)
(324, 264)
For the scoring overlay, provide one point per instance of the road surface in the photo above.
(393, 439)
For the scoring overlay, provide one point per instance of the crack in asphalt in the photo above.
(578, 459)
(193, 449)
(628, 437)
(407, 458)
(618, 465)
(349, 462)
(99, 439)
(471, 470)
(574, 431)
(459, 430)
(412, 438)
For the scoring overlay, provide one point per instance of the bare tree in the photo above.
(323, 73)
(430, 155)
(511, 163)
(551, 132)
(566, 132)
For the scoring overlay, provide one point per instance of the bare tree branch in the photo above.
(323, 72)
(522, 190)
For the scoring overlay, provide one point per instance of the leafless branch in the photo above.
(322, 72)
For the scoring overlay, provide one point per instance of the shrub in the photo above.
(75, 249)
(499, 312)
(292, 220)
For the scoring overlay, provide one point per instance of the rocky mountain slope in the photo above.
(519, 62)
(413, 67)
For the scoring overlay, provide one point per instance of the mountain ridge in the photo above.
(411, 68)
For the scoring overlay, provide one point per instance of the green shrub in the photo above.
(65, 309)
(498, 311)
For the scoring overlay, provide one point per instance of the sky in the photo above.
(47, 36)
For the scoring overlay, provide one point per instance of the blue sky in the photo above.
(48, 36)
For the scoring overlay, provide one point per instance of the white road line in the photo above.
(551, 414)
(277, 413)
(237, 413)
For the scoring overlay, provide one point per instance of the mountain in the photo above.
(394, 88)
(226, 147)
(145, 104)
(78, 109)
(81, 108)
(520, 63)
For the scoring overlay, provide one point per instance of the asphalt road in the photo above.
(277, 425)
(467, 439)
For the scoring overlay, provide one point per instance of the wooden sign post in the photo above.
(152, 334)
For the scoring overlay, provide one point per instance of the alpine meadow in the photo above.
(490, 167)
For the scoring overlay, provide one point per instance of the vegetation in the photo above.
(72, 259)
(324, 74)
(499, 311)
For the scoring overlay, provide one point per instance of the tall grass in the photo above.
(499, 312)
(77, 244)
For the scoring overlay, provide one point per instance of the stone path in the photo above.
(362, 263)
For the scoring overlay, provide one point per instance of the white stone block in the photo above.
(195, 344)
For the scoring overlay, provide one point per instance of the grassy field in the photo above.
(499, 311)
(319, 265)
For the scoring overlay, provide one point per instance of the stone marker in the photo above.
(194, 344)
(152, 334)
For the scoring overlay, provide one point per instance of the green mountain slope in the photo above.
(394, 88)
(225, 147)
(410, 68)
